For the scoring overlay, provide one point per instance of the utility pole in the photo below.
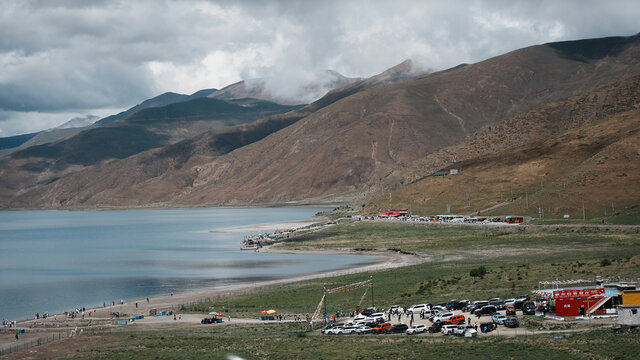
(526, 198)
(583, 215)
(371, 283)
(389, 196)
(326, 317)
(468, 198)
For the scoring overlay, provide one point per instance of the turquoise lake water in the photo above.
(52, 261)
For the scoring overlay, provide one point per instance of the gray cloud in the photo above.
(76, 56)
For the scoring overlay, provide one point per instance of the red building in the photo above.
(575, 302)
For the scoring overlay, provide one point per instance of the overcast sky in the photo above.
(64, 59)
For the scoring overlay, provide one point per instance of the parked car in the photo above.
(376, 317)
(529, 308)
(494, 301)
(500, 305)
(396, 309)
(510, 310)
(416, 329)
(359, 317)
(456, 319)
(415, 309)
(425, 314)
(326, 329)
(485, 310)
(511, 322)
(448, 329)
(461, 329)
(334, 330)
(438, 308)
(442, 316)
(345, 330)
(381, 328)
(477, 305)
(396, 329)
(462, 304)
(498, 318)
(487, 327)
(435, 327)
(369, 311)
(364, 330)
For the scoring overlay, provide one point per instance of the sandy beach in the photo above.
(270, 227)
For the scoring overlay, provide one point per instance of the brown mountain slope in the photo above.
(598, 163)
(353, 142)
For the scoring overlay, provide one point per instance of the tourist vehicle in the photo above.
(448, 329)
(510, 310)
(511, 322)
(369, 311)
(455, 319)
(416, 329)
(476, 305)
(529, 308)
(396, 329)
(345, 330)
(364, 330)
(461, 329)
(415, 309)
(442, 316)
(514, 219)
(485, 310)
(435, 327)
(376, 317)
(381, 328)
(498, 318)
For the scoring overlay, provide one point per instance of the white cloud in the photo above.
(76, 56)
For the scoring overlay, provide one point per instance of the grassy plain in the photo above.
(280, 342)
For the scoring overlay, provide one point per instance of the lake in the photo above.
(52, 261)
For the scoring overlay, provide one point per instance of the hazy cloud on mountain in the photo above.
(62, 59)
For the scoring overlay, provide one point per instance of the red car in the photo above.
(381, 328)
(456, 319)
(511, 310)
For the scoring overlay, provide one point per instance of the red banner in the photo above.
(572, 293)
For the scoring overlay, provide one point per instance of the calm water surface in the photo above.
(51, 261)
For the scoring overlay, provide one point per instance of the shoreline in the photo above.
(270, 227)
(173, 301)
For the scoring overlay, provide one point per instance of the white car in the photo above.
(396, 309)
(359, 318)
(448, 329)
(416, 329)
(415, 309)
(335, 330)
(346, 330)
(442, 316)
(376, 317)
(461, 329)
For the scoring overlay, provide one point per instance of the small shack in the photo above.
(629, 315)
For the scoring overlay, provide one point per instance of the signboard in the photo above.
(573, 293)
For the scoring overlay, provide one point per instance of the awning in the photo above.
(598, 304)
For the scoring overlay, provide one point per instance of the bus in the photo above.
(514, 219)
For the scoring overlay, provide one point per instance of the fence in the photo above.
(23, 345)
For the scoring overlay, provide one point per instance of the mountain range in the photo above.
(363, 140)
